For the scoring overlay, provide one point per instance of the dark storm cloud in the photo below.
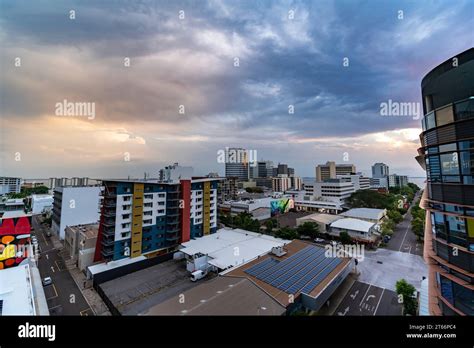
(190, 61)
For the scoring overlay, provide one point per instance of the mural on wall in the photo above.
(281, 206)
(14, 238)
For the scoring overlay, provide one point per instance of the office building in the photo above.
(283, 183)
(265, 169)
(395, 180)
(237, 163)
(360, 182)
(291, 171)
(9, 185)
(333, 189)
(175, 173)
(331, 170)
(150, 218)
(74, 206)
(380, 170)
(447, 155)
(379, 183)
(282, 169)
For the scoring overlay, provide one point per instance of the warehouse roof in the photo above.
(365, 213)
(231, 247)
(353, 224)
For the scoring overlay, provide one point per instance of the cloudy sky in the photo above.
(235, 67)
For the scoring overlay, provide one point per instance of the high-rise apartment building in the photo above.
(447, 154)
(150, 218)
(380, 170)
(331, 170)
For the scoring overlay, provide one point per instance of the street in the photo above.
(403, 239)
(368, 299)
(63, 295)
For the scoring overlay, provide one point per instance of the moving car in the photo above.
(47, 281)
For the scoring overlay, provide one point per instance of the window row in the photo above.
(453, 229)
(456, 112)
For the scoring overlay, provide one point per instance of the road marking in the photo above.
(57, 265)
(345, 312)
(42, 234)
(47, 257)
(52, 269)
(380, 299)
(363, 297)
(354, 295)
(84, 312)
(55, 291)
(370, 296)
(55, 306)
(403, 240)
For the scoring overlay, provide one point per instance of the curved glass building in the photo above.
(447, 155)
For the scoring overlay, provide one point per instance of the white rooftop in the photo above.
(16, 291)
(231, 247)
(106, 266)
(353, 224)
(365, 213)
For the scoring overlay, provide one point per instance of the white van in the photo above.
(196, 275)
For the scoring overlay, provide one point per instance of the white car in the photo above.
(47, 281)
(319, 240)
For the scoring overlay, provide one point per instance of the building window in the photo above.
(449, 163)
(444, 116)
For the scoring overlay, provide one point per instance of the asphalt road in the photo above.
(403, 238)
(63, 296)
(366, 299)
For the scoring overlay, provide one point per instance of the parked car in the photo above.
(47, 281)
(48, 233)
(319, 240)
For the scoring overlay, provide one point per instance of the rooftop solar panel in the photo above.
(295, 277)
(294, 258)
(297, 270)
(315, 282)
(261, 266)
(310, 275)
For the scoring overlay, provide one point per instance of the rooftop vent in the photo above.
(278, 251)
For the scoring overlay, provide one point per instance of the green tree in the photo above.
(345, 238)
(308, 228)
(418, 228)
(406, 293)
(286, 233)
(395, 216)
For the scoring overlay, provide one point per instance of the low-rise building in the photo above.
(227, 248)
(41, 203)
(360, 182)
(375, 216)
(80, 242)
(359, 230)
(21, 291)
(322, 220)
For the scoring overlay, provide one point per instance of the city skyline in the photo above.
(160, 59)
